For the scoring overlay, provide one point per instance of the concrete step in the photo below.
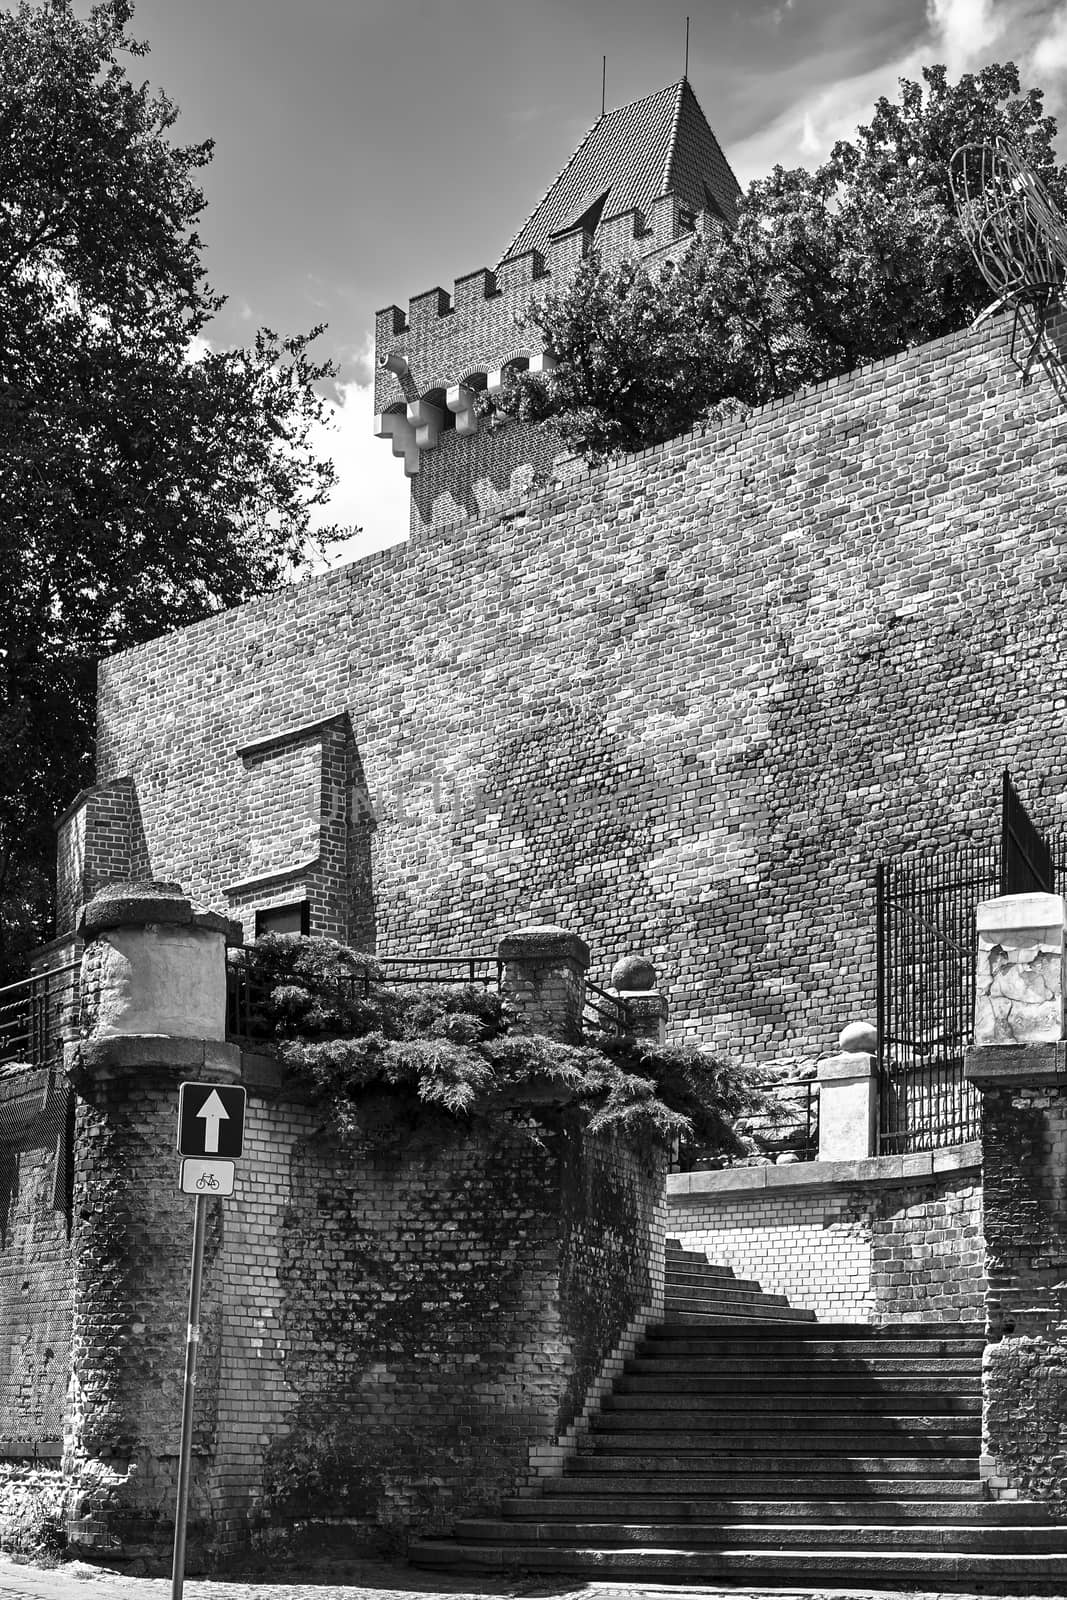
(802, 1403)
(858, 1508)
(726, 1307)
(770, 1390)
(945, 1368)
(711, 1278)
(811, 1341)
(735, 1430)
(777, 1462)
(745, 1483)
(818, 1534)
(1009, 1573)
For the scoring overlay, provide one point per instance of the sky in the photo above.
(367, 150)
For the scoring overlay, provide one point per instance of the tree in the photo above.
(146, 480)
(825, 270)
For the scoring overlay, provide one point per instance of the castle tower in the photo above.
(645, 181)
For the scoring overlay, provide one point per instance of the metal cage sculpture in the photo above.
(1015, 231)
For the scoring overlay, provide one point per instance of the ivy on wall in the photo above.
(354, 1042)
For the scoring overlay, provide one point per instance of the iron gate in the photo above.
(926, 961)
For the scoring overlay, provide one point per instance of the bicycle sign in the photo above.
(208, 1178)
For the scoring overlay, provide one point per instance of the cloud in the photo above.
(963, 34)
(1050, 52)
(965, 30)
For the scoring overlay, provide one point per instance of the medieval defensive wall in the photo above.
(682, 704)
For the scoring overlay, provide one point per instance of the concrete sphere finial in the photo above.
(858, 1038)
(633, 974)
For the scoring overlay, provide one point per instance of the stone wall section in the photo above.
(852, 1246)
(1025, 1140)
(681, 705)
(35, 1299)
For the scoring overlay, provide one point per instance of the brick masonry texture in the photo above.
(682, 705)
(390, 1333)
(35, 1300)
(1024, 1134)
(876, 1253)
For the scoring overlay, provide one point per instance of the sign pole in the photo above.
(188, 1397)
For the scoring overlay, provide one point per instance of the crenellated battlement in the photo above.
(647, 180)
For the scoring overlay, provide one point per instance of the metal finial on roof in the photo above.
(603, 84)
(685, 70)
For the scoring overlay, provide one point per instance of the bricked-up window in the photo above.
(284, 919)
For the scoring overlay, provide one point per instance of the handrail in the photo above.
(35, 1012)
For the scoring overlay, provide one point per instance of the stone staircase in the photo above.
(698, 1291)
(746, 1443)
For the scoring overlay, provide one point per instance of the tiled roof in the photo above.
(655, 146)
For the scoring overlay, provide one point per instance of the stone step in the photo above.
(727, 1308)
(776, 1463)
(786, 1423)
(858, 1508)
(700, 1421)
(1009, 1573)
(719, 1288)
(769, 1390)
(755, 1444)
(790, 1535)
(711, 1277)
(747, 1484)
(810, 1340)
(694, 1399)
(757, 1371)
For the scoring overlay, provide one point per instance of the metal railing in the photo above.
(248, 995)
(35, 1015)
(604, 1012)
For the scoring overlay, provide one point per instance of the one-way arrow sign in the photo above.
(211, 1119)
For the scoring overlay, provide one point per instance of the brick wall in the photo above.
(390, 1333)
(681, 705)
(852, 1241)
(34, 1261)
(99, 840)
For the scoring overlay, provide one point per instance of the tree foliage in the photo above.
(141, 487)
(352, 1039)
(824, 271)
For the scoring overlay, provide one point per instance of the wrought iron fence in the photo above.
(926, 965)
(35, 1015)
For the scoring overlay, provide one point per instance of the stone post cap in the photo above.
(139, 902)
(858, 1036)
(1021, 911)
(644, 1003)
(848, 1067)
(546, 943)
(633, 974)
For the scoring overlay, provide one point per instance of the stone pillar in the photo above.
(634, 981)
(543, 975)
(1019, 979)
(1019, 1065)
(153, 1014)
(848, 1096)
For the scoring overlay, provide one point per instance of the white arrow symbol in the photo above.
(213, 1112)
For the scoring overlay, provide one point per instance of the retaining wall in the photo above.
(892, 1239)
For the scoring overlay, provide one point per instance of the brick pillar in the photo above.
(153, 1014)
(848, 1096)
(633, 979)
(543, 975)
(1019, 1065)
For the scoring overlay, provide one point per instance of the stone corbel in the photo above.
(394, 426)
(426, 420)
(460, 401)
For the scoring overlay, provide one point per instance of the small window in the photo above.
(284, 919)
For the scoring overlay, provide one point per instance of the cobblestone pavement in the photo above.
(371, 1580)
